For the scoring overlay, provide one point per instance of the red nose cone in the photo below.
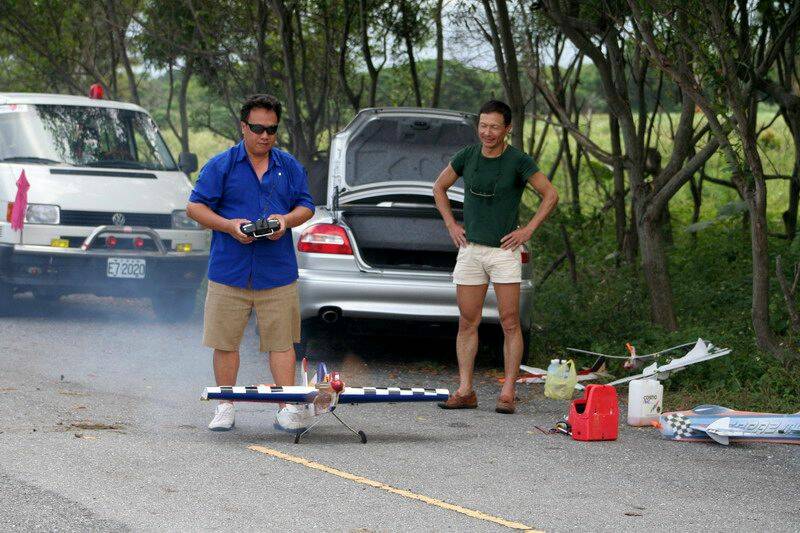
(337, 385)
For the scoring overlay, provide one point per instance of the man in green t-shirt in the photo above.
(489, 243)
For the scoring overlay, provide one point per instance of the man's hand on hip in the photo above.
(458, 234)
(516, 238)
(236, 232)
(279, 232)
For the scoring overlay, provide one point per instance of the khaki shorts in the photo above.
(228, 309)
(477, 264)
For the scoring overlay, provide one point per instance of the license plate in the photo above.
(123, 267)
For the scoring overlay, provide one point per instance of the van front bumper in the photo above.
(367, 295)
(71, 270)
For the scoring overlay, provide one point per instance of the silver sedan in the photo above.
(379, 248)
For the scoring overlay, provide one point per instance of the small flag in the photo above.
(20, 203)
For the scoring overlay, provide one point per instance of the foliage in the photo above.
(711, 282)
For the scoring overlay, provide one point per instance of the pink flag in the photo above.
(20, 203)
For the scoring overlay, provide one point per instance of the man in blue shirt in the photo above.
(252, 180)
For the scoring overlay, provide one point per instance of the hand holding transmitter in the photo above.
(261, 227)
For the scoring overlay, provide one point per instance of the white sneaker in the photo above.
(223, 418)
(292, 418)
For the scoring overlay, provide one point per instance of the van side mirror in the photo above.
(187, 162)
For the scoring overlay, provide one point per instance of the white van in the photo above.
(105, 209)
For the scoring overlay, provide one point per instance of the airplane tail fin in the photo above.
(322, 371)
(599, 365)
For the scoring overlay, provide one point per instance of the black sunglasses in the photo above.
(258, 129)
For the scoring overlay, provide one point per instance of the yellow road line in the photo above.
(388, 488)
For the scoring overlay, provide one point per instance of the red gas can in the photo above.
(596, 415)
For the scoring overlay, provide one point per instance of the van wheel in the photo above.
(46, 296)
(6, 298)
(174, 306)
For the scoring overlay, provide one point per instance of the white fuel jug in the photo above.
(644, 401)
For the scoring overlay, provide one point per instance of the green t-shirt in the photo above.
(493, 188)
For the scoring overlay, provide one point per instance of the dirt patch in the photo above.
(95, 425)
(72, 393)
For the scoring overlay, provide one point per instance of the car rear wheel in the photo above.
(174, 306)
(496, 347)
(319, 338)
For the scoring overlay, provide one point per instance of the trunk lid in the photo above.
(397, 150)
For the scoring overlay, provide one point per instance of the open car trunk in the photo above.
(402, 235)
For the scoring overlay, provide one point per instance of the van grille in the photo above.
(102, 218)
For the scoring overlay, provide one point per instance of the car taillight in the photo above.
(325, 239)
(138, 242)
(9, 210)
(111, 241)
(525, 256)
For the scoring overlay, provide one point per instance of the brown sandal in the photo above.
(456, 401)
(505, 405)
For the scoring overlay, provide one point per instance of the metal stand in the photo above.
(359, 433)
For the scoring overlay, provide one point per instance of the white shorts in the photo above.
(477, 264)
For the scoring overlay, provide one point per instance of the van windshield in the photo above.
(81, 136)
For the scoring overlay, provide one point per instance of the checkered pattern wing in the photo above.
(392, 394)
(261, 393)
(680, 425)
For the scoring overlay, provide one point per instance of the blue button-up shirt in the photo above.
(229, 186)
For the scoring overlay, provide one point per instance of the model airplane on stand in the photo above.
(321, 395)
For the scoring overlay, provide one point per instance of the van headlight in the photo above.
(42, 214)
(180, 220)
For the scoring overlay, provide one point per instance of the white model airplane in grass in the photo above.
(701, 351)
(322, 394)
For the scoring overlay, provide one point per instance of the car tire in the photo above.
(318, 337)
(496, 347)
(174, 306)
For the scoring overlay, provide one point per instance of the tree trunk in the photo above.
(572, 172)
(352, 97)
(755, 195)
(412, 66)
(790, 215)
(788, 293)
(514, 87)
(619, 186)
(792, 118)
(437, 81)
(373, 72)
(119, 34)
(756, 204)
(187, 74)
(696, 187)
(654, 269)
(299, 143)
(502, 40)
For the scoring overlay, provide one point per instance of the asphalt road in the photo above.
(101, 429)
